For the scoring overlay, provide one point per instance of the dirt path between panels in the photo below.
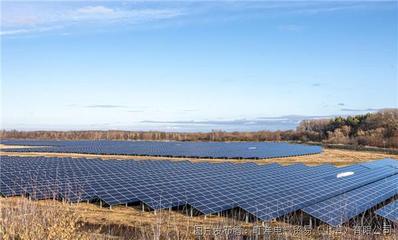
(337, 157)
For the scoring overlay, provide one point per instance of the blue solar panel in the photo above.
(381, 163)
(316, 188)
(390, 211)
(339, 209)
(253, 150)
(266, 191)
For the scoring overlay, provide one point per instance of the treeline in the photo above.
(148, 135)
(373, 129)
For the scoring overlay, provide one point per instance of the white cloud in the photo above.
(27, 17)
(14, 32)
(126, 15)
(95, 10)
(27, 30)
(38, 19)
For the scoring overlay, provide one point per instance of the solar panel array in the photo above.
(266, 191)
(340, 209)
(390, 211)
(380, 163)
(249, 150)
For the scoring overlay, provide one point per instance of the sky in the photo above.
(194, 65)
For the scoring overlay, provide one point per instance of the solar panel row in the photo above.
(266, 191)
(380, 163)
(390, 211)
(340, 209)
(176, 149)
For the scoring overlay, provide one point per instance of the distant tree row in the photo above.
(148, 135)
(373, 129)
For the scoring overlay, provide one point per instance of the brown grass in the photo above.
(48, 219)
(23, 219)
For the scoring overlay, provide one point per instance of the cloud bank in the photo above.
(30, 17)
(22, 18)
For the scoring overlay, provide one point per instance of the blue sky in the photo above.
(194, 66)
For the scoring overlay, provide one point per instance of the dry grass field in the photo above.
(47, 219)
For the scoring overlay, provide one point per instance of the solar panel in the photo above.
(390, 211)
(249, 150)
(339, 209)
(381, 163)
(296, 196)
(266, 191)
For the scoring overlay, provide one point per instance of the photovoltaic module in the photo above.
(247, 150)
(265, 191)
